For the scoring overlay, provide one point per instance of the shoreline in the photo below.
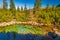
(3, 24)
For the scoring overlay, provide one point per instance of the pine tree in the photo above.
(5, 5)
(21, 8)
(40, 3)
(53, 6)
(58, 5)
(18, 9)
(26, 12)
(12, 7)
(47, 7)
(37, 4)
(25, 8)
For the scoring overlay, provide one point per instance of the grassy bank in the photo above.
(23, 29)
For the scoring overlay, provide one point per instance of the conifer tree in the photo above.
(40, 3)
(53, 6)
(12, 7)
(18, 9)
(37, 5)
(47, 7)
(26, 12)
(21, 8)
(5, 5)
(25, 8)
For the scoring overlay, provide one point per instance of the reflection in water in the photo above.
(16, 36)
(57, 38)
(20, 32)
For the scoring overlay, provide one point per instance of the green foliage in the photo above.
(49, 15)
(5, 5)
(5, 16)
(25, 8)
(21, 8)
(38, 4)
(23, 29)
(12, 7)
(18, 9)
(20, 16)
(58, 5)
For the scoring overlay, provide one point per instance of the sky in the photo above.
(30, 3)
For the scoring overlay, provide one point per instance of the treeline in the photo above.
(8, 14)
(49, 15)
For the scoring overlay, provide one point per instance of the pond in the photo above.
(23, 29)
(16, 36)
(25, 32)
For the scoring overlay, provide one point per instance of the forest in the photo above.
(50, 15)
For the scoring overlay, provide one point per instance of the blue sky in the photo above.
(30, 3)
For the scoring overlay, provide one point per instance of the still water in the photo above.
(19, 32)
(16, 36)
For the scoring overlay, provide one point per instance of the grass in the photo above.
(23, 29)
